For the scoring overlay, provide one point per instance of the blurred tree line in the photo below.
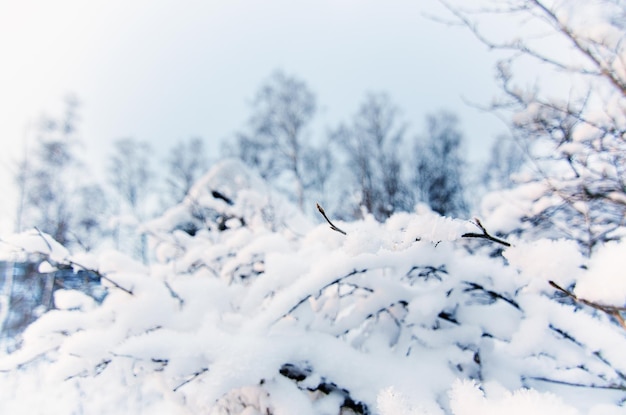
(367, 164)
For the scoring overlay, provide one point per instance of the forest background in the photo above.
(192, 72)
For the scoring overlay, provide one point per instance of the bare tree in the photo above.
(576, 140)
(131, 177)
(52, 184)
(319, 165)
(371, 146)
(439, 166)
(506, 158)
(277, 140)
(186, 161)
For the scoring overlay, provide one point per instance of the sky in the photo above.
(164, 71)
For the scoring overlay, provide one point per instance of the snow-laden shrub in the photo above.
(250, 309)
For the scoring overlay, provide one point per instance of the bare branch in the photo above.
(99, 274)
(69, 263)
(44, 239)
(612, 311)
(484, 234)
(191, 378)
(579, 385)
(332, 225)
(335, 281)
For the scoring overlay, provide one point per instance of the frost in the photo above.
(467, 399)
(392, 402)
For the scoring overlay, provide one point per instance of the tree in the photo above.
(55, 194)
(371, 145)
(318, 163)
(186, 161)
(439, 169)
(277, 142)
(506, 159)
(574, 133)
(131, 176)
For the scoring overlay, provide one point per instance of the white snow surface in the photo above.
(249, 308)
(605, 282)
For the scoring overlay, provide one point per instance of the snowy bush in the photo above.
(250, 309)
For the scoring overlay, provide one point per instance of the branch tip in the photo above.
(332, 225)
(484, 234)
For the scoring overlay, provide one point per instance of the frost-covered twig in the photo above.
(472, 286)
(484, 234)
(597, 354)
(44, 239)
(98, 273)
(299, 303)
(612, 311)
(332, 225)
(191, 378)
(67, 263)
(174, 294)
(73, 264)
(579, 385)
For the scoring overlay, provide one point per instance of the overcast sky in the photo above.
(165, 70)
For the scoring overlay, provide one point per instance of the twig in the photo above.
(484, 234)
(473, 286)
(69, 263)
(332, 225)
(578, 385)
(44, 239)
(72, 264)
(612, 311)
(335, 281)
(174, 294)
(99, 274)
(192, 377)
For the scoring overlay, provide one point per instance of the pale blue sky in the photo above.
(166, 70)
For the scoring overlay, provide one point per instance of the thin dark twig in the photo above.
(335, 281)
(612, 311)
(484, 234)
(99, 274)
(579, 385)
(68, 263)
(191, 378)
(332, 225)
(44, 239)
(473, 286)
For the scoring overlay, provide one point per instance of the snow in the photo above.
(392, 402)
(605, 280)
(249, 308)
(467, 399)
(547, 260)
(34, 242)
(73, 300)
